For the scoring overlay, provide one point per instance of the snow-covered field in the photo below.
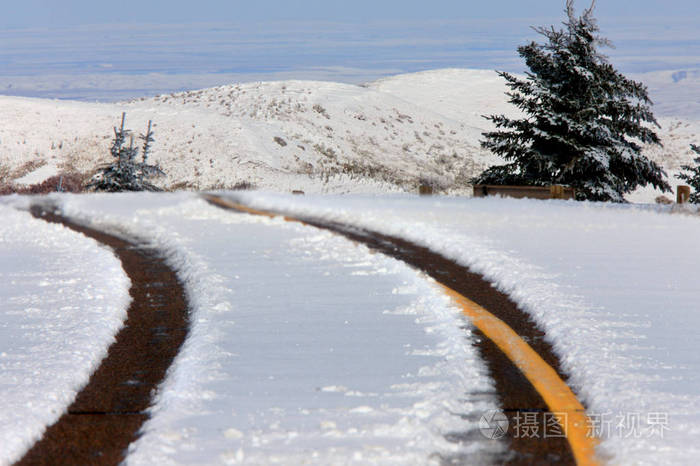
(384, 136)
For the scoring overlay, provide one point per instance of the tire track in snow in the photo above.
(109, 411)
(516, 390)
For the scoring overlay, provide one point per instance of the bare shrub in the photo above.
(326, 151)
(322, 111)
(221, 186)
(243, 186)
(181, 186)
(663, 200)
(4, 173)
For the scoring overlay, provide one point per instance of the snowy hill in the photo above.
(322, 130)
(286, 135)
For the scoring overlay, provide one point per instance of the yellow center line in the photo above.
(562, 402)
(556, 394)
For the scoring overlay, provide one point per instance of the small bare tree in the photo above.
(125, 173)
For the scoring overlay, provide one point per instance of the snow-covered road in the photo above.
(306, 348)
(614, 287)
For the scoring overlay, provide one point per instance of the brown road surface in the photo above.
(109, 411)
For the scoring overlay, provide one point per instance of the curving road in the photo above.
(519, 389)
(106, 416)
(108, 413)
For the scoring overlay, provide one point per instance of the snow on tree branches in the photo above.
(584, 122)
(692, 177)
(125, 173)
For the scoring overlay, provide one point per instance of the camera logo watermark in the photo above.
(493, 425)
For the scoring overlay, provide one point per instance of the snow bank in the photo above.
(63, 299)
(304, 348)
(614, 287)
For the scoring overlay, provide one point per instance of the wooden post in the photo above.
(682, 194)
(556, 191)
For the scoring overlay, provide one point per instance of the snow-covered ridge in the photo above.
(308, 135)
(322, 129)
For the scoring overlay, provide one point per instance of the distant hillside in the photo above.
(313, 136)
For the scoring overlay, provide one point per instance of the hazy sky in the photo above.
(42, 13)
(88, 49)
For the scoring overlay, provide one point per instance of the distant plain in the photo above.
(115, 62)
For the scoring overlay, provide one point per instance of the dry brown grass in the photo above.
(69, 182)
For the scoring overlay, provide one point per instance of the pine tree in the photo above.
(584, 122)
(692, 177)
(125, 173)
